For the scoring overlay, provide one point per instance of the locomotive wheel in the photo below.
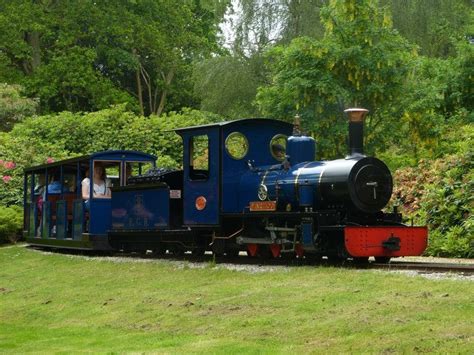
(275, 250)
(382, 259)
(361, 260)
(252, 250)
(335, 259)
(299, 251)
(288, 255)
(265, 252)
(233, 253)
(313, 258)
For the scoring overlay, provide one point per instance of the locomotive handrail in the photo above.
(271, 168)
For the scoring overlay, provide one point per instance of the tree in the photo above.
(262, 23)
(361, 61)
(14, 107)
(228, 84)
(436, 26)
(86, 55)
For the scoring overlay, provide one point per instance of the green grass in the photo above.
(59, 303)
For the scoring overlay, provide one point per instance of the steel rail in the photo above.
(467, 269)
(459, 268)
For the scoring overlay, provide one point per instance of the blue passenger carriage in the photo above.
(56, 214)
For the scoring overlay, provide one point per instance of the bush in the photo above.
(11, 222)
(439, 194)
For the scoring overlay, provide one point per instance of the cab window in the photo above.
(278, 147)
(199, 158)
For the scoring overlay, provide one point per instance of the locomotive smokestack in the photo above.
(356, 129)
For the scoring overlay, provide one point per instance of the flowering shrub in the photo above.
(16, 153)
(440, 194)
(6, 172)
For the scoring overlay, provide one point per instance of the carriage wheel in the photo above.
(199, 251)
(177, 251)
(159, 251)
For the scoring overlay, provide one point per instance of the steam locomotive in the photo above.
(247, 185)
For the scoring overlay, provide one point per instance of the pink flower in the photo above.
(6, 178)
(49, 160)
(1, 161)
(9, 165)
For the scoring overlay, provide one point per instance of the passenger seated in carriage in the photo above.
(55, 186)
(100, 188)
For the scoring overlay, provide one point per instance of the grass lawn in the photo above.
(59, 303)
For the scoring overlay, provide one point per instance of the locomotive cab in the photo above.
(215, 157)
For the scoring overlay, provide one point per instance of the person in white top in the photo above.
(100, 189)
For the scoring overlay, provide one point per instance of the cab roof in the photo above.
(229, 124)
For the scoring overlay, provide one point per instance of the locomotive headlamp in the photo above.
(356, 130)
(262, 192)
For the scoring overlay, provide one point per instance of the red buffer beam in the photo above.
(391, 241)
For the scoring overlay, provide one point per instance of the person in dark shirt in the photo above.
(55, 186)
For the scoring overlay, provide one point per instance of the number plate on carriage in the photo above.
(262, 206)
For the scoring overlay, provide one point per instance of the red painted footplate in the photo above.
(385, 241)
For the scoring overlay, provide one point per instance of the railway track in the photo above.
(466, 269)
(426, 267)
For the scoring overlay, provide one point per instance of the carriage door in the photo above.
(201, 176)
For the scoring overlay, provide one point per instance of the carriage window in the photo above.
(236, 145)
(55, 187)
(278, 147)
(28, 203)
(199, 158)
(109, 172)
(40, 184)
(134, 168)
(69, 179)
(29, 181)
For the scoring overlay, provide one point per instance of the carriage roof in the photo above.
(105, 155)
